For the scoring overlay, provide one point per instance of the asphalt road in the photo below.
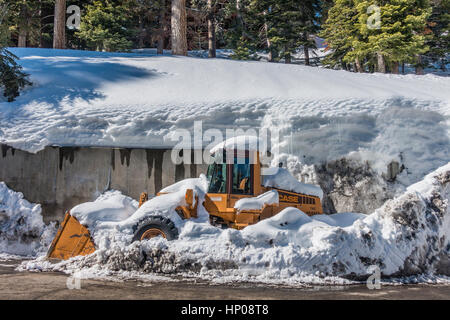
(52, 285)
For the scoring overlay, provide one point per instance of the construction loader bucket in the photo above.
(72, 239)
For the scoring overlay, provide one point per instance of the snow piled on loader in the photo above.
(22, 230)
(407, 236)
(281, 178)
(112, 218)
(268, 198)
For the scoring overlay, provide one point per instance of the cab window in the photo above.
(242, 178)
(217, 177)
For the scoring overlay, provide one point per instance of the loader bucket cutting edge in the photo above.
(72, 239)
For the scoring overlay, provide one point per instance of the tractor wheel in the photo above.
(156, 226)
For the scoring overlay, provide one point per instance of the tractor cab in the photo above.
(233, 174)
(236, 173)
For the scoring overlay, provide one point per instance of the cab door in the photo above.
(240, 177)
(218, 188)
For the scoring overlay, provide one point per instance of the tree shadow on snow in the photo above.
(62, 79)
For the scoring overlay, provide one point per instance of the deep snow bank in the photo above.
(22, 230)
(408, 235)
(137, 100)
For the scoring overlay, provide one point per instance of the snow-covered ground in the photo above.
(407, 237)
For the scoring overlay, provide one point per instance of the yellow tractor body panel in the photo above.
(223, 207)
(310, 205)
(72, 239)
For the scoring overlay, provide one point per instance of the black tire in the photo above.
(165, 225)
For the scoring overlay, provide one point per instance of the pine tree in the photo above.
(438, 29)
(24, 21)
(400, 37)
(4, 28)
(240, 28)
(106, 26)
(280, 27)
(244, 51)
(12, 77)
(149, 18)
(212, 11)
(341, 32)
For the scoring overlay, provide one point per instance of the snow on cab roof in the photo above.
(250, 143)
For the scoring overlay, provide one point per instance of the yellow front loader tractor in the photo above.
(241, 176)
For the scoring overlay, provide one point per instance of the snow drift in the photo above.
(83, 98)
(22, 230)
(409, 235)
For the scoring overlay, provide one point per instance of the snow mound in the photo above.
(200, 184)
(281, 178)
(257, 203)
(407, 236)
(22, 230)
(113, 217)
(110, 206)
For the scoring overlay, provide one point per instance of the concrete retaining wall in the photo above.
(61, 177)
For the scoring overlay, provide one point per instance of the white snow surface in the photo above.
(242, 142)
(270, 197)
(22, 230)
(110, 206)
(281, 178)
(407, 236)
(113, 217)
(87, 98)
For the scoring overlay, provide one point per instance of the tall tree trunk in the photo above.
(395, 67)
(22, 41)
(419, 66)
(287, 55)
(381, 66)
(306, 53)
(141, 32)
(160, 47)
(239, 19)
(41, 38)
(167, 42)
(403, 68)
(268, 42)
(238, 14)
(23, 25)
(59, 29)
(269, 46)
(179, 28)
(358, 66)
(306, 49)
(162, 29)
(211, 31)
